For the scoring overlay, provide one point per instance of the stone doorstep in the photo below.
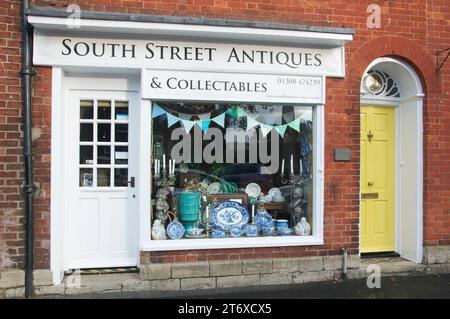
(392, 266)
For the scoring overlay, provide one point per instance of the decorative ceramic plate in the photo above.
(175, 230)
(214, 188)
(253, 190)
(195, 237)
(263, 219)
(227, 214)
(273, 192)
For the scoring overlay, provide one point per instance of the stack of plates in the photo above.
(264, 199)
(276, 196)
(274, 192)
(278, 199)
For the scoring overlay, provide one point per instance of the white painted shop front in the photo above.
(106, 76)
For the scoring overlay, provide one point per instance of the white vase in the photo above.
(158, 231)
(303, 228)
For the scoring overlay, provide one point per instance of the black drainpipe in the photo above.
(29, 188)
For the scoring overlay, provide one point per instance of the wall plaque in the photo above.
(342, 154)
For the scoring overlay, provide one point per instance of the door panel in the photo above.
(377, 179)
(103, 221)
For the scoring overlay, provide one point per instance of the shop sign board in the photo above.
(232, 87)
(57, 49)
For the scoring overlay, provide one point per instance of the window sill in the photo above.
(220, 243)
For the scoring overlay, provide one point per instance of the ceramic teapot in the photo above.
(303, 228)
(158, 231)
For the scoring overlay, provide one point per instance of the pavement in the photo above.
(402, 287)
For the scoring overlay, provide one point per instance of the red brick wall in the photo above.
(11, 206)
(412, 30)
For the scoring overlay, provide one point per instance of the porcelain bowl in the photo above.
(284, 232)
(251, 230)
(268, 230)
(282, 223)
(236, 231)
(218, 233)
(195, 231)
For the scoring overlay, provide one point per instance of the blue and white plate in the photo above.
(227, 214)
(175, 230)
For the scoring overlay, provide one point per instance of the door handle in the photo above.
(131, 182)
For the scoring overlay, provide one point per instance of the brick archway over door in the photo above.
(394, 46)
(425, 65)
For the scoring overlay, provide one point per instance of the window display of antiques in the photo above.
(234, 170)
(214, 208)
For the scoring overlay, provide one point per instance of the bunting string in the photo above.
(236, 112)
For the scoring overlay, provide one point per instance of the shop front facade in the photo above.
(230, 150)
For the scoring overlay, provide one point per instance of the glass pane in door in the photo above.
(103, 138)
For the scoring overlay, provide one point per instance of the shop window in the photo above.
(103, 144)
(258, 156)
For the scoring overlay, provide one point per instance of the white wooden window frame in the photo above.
(147, 244)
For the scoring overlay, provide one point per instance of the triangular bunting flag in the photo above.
(219, 120)
(157, 110)
(171, 120)
(188, 125)
(295, 125)
(233, 111)
(265, 129)
(240, 112)
(251, 122)
(204, 116)
(281, 129)
(205, 125)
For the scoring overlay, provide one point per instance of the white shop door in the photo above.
(103, 219)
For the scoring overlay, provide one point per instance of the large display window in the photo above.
(222, 170)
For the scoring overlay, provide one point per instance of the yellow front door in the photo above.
(377, 179)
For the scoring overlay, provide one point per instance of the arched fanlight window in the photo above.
(379, 84)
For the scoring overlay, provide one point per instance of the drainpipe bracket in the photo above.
(30, 189)
(27, 71)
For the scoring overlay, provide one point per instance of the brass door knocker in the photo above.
(370, 136)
